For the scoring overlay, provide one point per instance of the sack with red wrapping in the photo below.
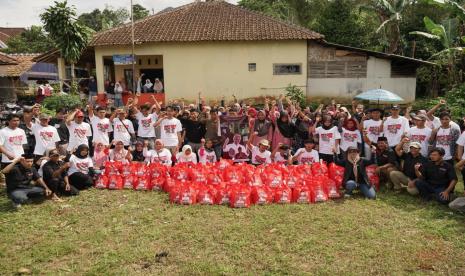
(319, 168)
(197, 174)
(232, 175)
(175, 194)
(272, 177)
(168, 184)
(222, 195)
(157, 170)
(332, 189)
(282, 194)
(293, 177)
(301, 194)
(126, 170)
(140, 170)
(142, 183)
(372, 176)
(240, 196)
(205, 195)
(180, 172)
(187, 195)
(214, 177)
(261, 195)
(112, 167)
(223, 164)
(101, 182)
(128, 181)
(319, 194)
(248, 173)
(115, 182)
(158, 183)
(336, 173)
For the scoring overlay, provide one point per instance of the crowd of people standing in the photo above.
(418, 151)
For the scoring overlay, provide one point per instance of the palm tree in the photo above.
(69, 36)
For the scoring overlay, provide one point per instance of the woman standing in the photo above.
(328, 137)
(284, 130)
(158, 86)
(261, 127)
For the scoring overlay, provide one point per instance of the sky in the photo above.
(24, 13)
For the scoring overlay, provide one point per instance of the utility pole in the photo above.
(133, 58)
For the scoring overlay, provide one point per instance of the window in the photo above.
(287, 69)
(337, 69)
(252, 67)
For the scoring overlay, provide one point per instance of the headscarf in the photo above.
(80, 148)
(138, 156)
(185, 148)
(287, 129)
(346, 123)
(261, 126)
(354, 160)
(148, 83)
(158, 85)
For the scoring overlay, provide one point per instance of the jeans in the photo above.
(21, 195)
(118, 101)
(427, 191)
(218, 148)
(367, 190)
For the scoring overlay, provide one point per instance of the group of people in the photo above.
(417, 151)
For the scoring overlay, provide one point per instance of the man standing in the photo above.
(100, 126)
(92, 89)
(23, 182)
(420, 133)
(170, 130)
(436, 177)
(406, 177)
(79, 131)
(395, 126)
(60, 124)
(372, 129)
(123, 128)
(46, 136)
(12, 139)
(212, 131)
(194, 130)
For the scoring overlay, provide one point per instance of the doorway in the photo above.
(152, 74)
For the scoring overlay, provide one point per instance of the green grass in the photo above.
(120, 232)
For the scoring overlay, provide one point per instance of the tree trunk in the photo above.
(72, 73)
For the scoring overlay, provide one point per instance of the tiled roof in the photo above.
(205, 21)
(11, 31)
(7, 60)
(24, 62)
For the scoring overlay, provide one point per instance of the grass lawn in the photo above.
(120, 232)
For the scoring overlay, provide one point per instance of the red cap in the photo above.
(79, 114)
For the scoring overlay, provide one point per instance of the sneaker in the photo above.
(347, 195)
(17, 206)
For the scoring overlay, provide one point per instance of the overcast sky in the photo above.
(24, 13)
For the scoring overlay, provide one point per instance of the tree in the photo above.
(99, 20)
(70, 37)
(139, 12)
(33, 40)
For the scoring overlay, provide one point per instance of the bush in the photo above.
(296, 94)
(57, 101)
(455, 102)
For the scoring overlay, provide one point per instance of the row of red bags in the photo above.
(238, 185)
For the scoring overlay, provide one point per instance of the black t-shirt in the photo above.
(62, 129)
(195, 130)
(438, 175)
(385, 157)
(409, 164)
(20, 177)
(49, 168)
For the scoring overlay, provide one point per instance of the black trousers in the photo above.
(80, 181)
(58, 186)
(328, 158)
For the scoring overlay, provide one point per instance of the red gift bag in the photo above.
(283, 194)
(336, 173)
(240, 197)
(158, 183)
(140, 170)
(101, 182)
(232, 175)
(112, 167)
(261, 195)
(319, 194)
(128, 182)
(187, 195)
(115, 182)
(332, 189)
(319, 168)
(222, 195)
(142, 184)
(205, 196)
(301, 194)
(372, 176)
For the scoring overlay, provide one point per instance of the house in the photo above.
(221, 49)
(7, 33)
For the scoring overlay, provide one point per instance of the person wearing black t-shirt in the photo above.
(436, 177)
(386, 161)
(23, 182)
(194, 130)
(54, 175)
(60, 124)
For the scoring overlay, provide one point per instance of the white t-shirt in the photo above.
(435, 123)
(278, 158)
(394, 129)
(233, 151)
(259, 158)
(146, 125)
(46, 138)
(374, 129)
(350, 138)
(182, 158)
(100, 128)
(13, 141)
(79, 165)
(461, 142)
(307, 157)
(327, 139)
(78, 134)
(206, 156)
(40, 171)
(420, 135)
(169, 129)
(162, 157)
(120, 133)
(442, 141)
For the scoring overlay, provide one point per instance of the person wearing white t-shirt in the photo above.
(81, 168)
(186, 155)
(282, 154)
(350, 135)
(79, 131)
(445, 137)
(101, 126)
(420, 133)
(170, 131)
(123, 129)
(328, 137)
(46, 136)
(206, 152)
(12, 139)
(146, 118)
(372, 129)
(260, 155)
(395, 127)
(306, 155)
(159, 154)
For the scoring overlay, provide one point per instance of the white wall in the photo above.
(378, 76)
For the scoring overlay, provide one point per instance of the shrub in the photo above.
(57, 101)
(455, 102)
(296, 94)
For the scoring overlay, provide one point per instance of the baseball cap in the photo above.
(79, 114)
(44, 116)
(415, 145)
(421, 117)
(395, 107)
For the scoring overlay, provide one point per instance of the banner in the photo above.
(235, 129)
(122, 59)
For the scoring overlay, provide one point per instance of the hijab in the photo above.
(346, 122)
(100, 156)
(148, 83)
(80, 148)
(261, 126)
(158, 85)
(354, 158)
(137, 155)
(287, 129)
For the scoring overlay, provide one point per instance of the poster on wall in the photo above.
(122, 59)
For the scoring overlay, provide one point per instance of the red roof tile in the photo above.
(7, 60)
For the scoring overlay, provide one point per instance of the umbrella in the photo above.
(379, 95)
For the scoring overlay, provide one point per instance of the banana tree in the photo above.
(69, 36)
(447, 34)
